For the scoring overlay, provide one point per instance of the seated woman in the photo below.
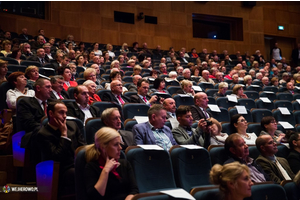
(233, 179)
(80, 61)
(32, 74)
(91, 86)
(6, 46)
(96, 50)
(109, 49)
(90, 74)
(115, 75)
(121, 59)
(238, 91)
(223, 87)
(18, 80)
(239, 125)
(106, 175)
(186, 88)
(137, 70)
(269, 127)
(3, 70)
(66, 73)
(294, 155)
(131, 63)
(195, 71)
(159, 86)
(275, 82)
(216, 136)
(194, 53)
(124, 48)
(16, 54)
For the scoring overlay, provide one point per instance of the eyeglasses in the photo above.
(243, 120)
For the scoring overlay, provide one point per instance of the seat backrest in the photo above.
(102, 105)
(92, 125)
(270, 88)
(260, 104)
(296, 105)
(248, 116)
(284, 103)
(173, 89)
(210, 92)
(186, 164)
(222, 116)
(267, 191)
(286, 118)
(292, 191)
(270, 95)
(154, 166)
(252, 94)
(218, 155)
(297, 116)
(100, 93)
(80, 163)
(152, 196)
(253, 88)
(129, 123)
(209, 194)
(225, 103)
(258, 114)
(248, 103)
(254, 128)
(130, 110)
(253, 152)
(183, 100)
(283, 151)
(211, 100)
(284, 96)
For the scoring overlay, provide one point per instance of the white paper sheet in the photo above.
(265, 99)
(178, 193)
(150, 147)
(255, 85)
(241, 109)
(197, 88)
(298, 100)
(286, 125)
(214, 107)
(191, 146)
(174, 122)
(270, 92)
(141, 119)
(284, 111)
(184, 95)
(232, 98)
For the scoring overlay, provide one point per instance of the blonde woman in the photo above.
(106, 175)
(32, 74)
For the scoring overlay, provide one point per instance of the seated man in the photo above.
(31, 110)
(115, 95)
(133, 87)
(40, 57)
(58, 141)
(237, 149)
(185, 134)
(205, 77)
(170, 106)
(142, 95)
(111, 117)
(290, 88)
(277, 168)
(199, 109)
(81, 109)
(154, 131)
(58, 91)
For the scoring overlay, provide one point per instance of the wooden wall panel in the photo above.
(75, 31)
(282, 16)
(256, 38)
(162, 17)
(129, 38)
(164, 42)
(91, 7)
(74, 6)
(256, 26)
(91, 21)
(109, 24)
(178, 6)
(164, 6)
(70, 19)
(162, 30)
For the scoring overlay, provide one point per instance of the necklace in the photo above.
(246, 136)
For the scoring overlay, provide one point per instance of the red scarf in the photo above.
(102, 163)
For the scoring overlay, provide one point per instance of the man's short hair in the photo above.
(39, 82)
(260, 141)
(53, 79)
(229, 142)
(106, 113)
(51, 106)
(139, 83)
(154, 109)
(182, 110)
(185, 70)
(172, 73)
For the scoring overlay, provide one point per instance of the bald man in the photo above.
(115, 95)
(199, 109)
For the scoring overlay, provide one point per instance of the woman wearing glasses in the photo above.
(269, 127)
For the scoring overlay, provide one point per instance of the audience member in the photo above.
(205, 77)
(32, 74)
(91, 86)
(90, 74)
(223, 87)
(269, 127)
(216, 136)
(294, 155)
(6, 47)
(58, 91)
(186, 88)
(115, 95)
(170, 106)
(3, 70)
(133, 87)
(159, 86)
(238, 91)
(66, 73)
(199, 109)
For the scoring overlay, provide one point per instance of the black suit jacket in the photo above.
(137, 99)
(64, 94)
(128, 138)
(295, 54)
(35, 58)
(25, 37)
(197, 113)
(108, 96)
(53, 147)
(75, 111)
(29, 116)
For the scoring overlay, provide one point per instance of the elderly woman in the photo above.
(3, 70)
(124, 48)
(239, 125)
(137, 69)
(223, 87)
(6, 46)
(131, 63)
(146, 64)
(159, 86)
(16, 54)
(233, 179)
(238, 91)
(186, 88)
(195, 71)
(106, 175)
(32, 73)
(115, 75)
(80, 62)
(115, 64)
(96, 50)
(216, 136)
(91, 74)
(19, 81)
(66, 73)
(91, 86)
(294, 155)
(255, 65)
(275, 82)
(248, 80)
(269, 127)
(109, 49)
(121, 59)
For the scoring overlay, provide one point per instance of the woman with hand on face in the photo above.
(238, 91)
(239, 125)
(106, 175)
(233, 179)
(269, 127)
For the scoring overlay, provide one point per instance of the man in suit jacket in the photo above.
(237, 150)
(58, 91)
(133, 87)
(199, 109)
(81, 109)
(290, 88)
(115, 95)
(31, 110)
(154, 131)
(111, 117)
(142, 95)
(185, 134)
(40, 57)
(277, 168)
(58, 140)
(25, 36)
(170, 106)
